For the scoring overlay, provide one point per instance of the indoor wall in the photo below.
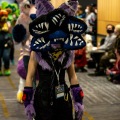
(108, 13)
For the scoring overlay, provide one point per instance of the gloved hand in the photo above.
(28, 102)
(77, 95)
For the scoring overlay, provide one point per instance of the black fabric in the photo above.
(26, 61)
(47, 107)
(57, 27)
(60, 110)
(5, 39)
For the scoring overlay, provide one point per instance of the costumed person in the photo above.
(22, 36)
(5, 42)
(10, 21)
(56, 34)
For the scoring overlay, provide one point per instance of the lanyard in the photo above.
(57, 73)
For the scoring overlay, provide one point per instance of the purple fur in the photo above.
(76, 94)
(46, 66)
(21, 69)
(70, 7)
(70, 59)
(77, 102)
(43, 7)
(42, 62)
(30, 112)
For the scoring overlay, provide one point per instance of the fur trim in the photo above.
(43, 7)
(69, 7)
(42, 62)
(46, 66)
(70, 59)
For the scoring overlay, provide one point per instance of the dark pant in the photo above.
(12, 52)
(26, 61)
(5, 56)
(105, 59)
(96, 57)
(115, 77)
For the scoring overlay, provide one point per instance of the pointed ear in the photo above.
(70, 7)
(43, 7)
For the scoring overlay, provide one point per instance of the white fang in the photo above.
(42, 24)
(36, 42)
(39, 40)
(66, 41)
(71, 43)
(46, 25)
(71, 36)
(39, 26)
(76, 44)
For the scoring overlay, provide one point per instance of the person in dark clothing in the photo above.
(52, 53)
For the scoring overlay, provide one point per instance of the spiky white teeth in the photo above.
(57, 16)
(48, 44)
(47, 25)
(66, 42)
(81, 42)
(39, 40)
(55, 40)
(79, 39)
(76, 43)
(39, 32)
(71, 36)
(42, 39)
(36, 26)
(54, 18)
(75, 27)
(41, 26)
(76, 37)
(36, 42)
(71, 43)
(55, 21)
(59, 39)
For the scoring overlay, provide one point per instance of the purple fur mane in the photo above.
(69, 7)
(70, 59)
(42, 62)
(46, 66)
(43, 7)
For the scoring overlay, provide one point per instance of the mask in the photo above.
(110, 31)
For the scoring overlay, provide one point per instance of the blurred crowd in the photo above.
(104, 58)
